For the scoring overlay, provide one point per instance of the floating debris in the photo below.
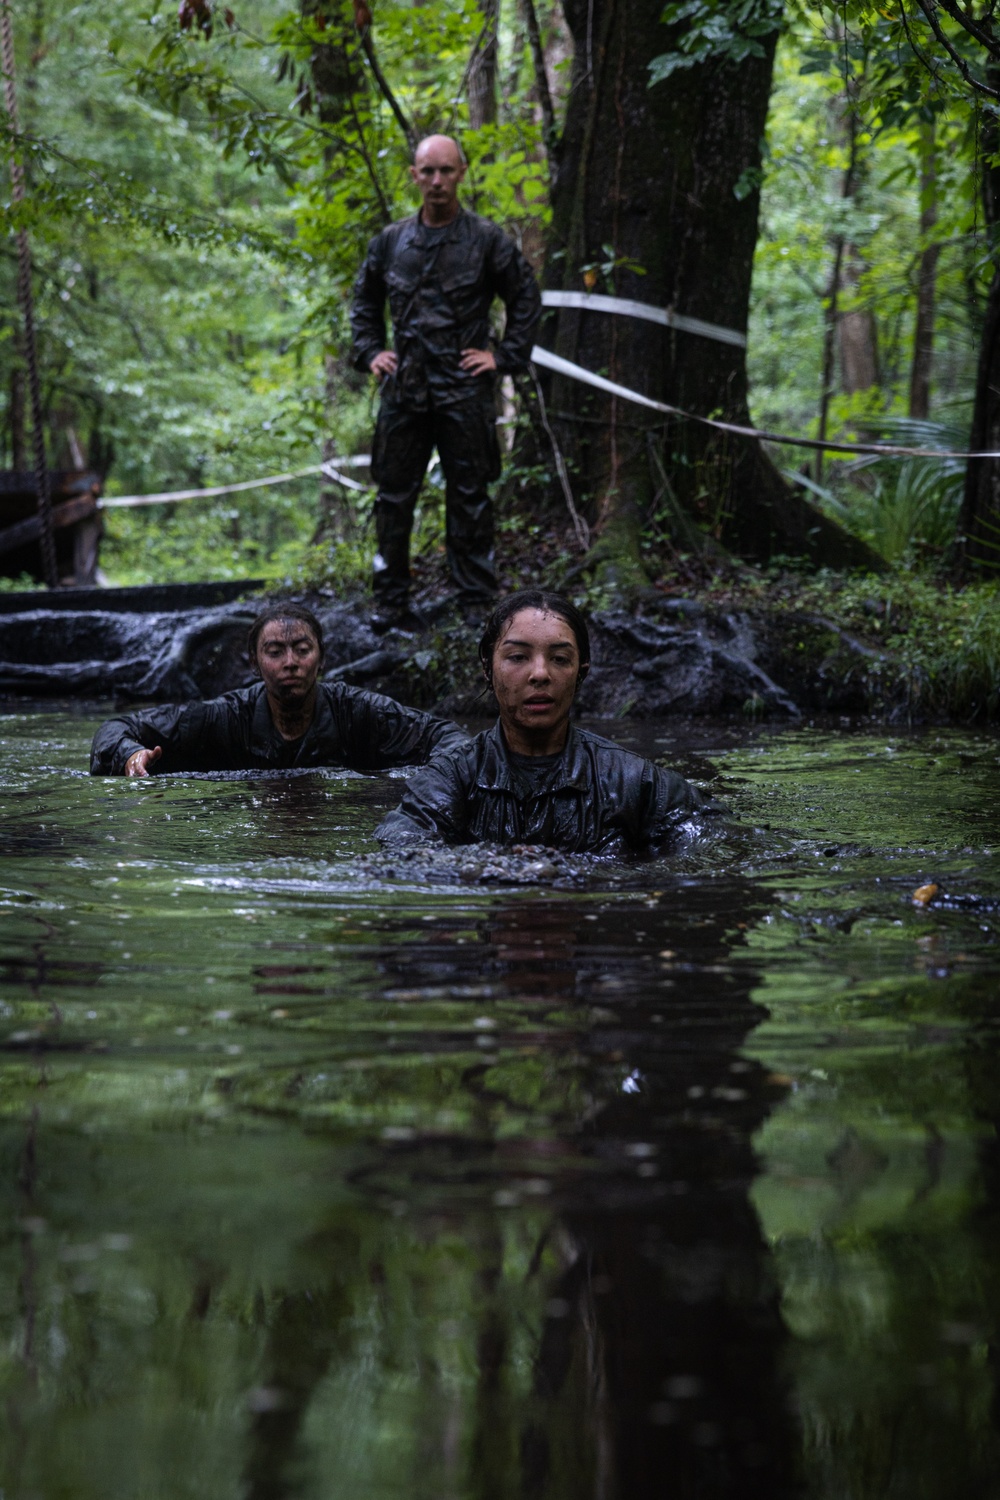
(935, 895)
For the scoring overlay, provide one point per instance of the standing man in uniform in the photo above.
(440, 270)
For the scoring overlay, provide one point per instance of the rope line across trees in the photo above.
(559, 366)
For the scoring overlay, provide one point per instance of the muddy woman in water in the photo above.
(534, 777)
(290, 718)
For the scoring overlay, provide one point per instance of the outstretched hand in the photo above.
(139, 761)
(477, 362)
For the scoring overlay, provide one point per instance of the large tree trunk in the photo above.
(666, 177)
(979, 522)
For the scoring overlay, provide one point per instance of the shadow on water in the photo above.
(637, 1332)
(325, 1176)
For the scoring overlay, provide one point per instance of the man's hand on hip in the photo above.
(384, 364)
(477, 362)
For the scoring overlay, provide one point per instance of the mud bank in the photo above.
(174, 642)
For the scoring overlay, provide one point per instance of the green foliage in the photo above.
(344, 156)
(507, 178)
(907, 508)
(16, 585)
(169, 294)
(916, 505)
(938, 647)
(262, 534)
(341, 555)
(805, 213)
(922, 52)
(707, 31)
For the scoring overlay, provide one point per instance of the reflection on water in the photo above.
(680, 1180)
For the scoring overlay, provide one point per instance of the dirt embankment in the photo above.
(670, 656)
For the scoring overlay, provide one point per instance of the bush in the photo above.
(907, 509)
(941, 645)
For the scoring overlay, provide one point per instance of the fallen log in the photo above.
(29, 530)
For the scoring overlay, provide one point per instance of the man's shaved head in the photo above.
(435, 143)
(438, 168)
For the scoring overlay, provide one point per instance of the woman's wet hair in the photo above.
(282, 612)
(550, 603)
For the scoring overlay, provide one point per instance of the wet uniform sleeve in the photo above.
(180, 729)
(368, 308)
(516, 285)
(668, 799)
(434, 808)
(379, 732)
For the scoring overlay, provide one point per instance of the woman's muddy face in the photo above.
(536, 665)
(288, 658)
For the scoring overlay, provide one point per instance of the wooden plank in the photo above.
(77, 509)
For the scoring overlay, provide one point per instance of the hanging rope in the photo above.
(580, 526)
(46, 537)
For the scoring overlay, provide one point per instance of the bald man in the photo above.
(441, 271)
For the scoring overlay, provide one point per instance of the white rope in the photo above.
(166, 497)
(562, 366)
(626, 308)
(332, 471)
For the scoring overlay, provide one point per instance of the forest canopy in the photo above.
(203, 181)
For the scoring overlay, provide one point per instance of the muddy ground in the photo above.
(667, 655)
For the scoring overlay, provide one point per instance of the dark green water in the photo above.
(682, 1183)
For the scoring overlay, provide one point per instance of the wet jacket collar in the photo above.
(265, 740)
(495, 774)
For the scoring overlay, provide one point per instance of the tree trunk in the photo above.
(511, 95)
(664, 181)
(20, 454)
(830, 315)
(923, 335)
(482, 74)
(844, 121)
(18, 446)
(979, 521)
(333, 67)
(337, 81)
(858, 339)
(541, 91)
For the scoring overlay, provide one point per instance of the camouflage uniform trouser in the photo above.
(466, 440)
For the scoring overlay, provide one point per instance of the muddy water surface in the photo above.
(326, 1175)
